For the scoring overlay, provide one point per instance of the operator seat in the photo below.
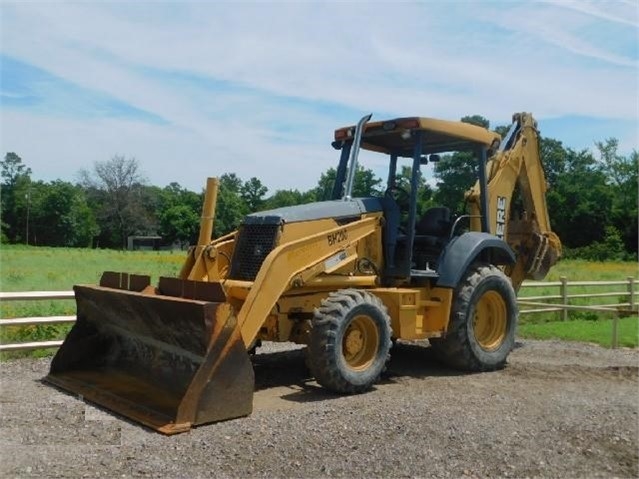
(433, 226)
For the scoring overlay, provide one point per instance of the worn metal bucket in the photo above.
(169, 357)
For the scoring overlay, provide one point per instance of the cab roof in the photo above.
(394, 136)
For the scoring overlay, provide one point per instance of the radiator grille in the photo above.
(254, 244)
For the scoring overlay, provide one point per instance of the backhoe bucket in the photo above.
(169, 358)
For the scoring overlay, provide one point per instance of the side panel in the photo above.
(469, 247)
(416, 313)
(402, 305)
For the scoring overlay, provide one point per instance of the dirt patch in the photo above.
(557, 410)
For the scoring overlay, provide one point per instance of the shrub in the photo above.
(610, 249)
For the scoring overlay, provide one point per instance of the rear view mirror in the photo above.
(434, 158)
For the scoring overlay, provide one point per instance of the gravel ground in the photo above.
(557, 410)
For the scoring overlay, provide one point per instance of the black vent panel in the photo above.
(254, 244)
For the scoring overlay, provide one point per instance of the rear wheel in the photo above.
(350, 341)
(483, 320)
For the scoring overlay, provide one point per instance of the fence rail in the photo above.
(35, 321)
(541, 304)
(534, 305)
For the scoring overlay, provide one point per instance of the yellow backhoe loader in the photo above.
(344, 276)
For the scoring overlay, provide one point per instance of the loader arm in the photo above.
(517, 166)
(291, 265)
(201, 263)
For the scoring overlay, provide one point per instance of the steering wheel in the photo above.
(400, 195)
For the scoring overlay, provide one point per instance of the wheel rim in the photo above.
(489, 323)
(360, 343)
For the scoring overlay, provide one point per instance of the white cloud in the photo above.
(434, 59)
(60, 148)
(567, 31)
(625, 12)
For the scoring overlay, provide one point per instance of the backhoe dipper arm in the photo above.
(518, 164)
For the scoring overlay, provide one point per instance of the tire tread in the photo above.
(323, 355)
(455, 349)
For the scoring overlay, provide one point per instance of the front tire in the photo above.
(483, 321)
(350, 341)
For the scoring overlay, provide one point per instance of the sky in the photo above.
(197, 89)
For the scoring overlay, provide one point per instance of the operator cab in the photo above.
(412, 244)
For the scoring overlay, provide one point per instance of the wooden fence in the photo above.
(610, 302)
(560, 303)
(543, 304)
(34, 296)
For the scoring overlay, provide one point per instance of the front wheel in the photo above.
(350, 341)
(481, 332)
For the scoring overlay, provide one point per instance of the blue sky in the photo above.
(203, 88)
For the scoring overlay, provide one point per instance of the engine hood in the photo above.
(314, 211)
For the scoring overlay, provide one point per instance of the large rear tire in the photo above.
(350, 341)
(481, 332)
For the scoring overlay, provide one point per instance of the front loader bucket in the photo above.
(169, 358)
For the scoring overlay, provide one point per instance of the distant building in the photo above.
(144, 243)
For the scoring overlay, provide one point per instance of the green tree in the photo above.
(501, 130)
(231, 207)
(324, 188)
(15, 198)
(554, 157)
(457, 172)
(61, 216)
(179, 223)
(622, 177)
(580, 202)
(619, 169)
(611, 248)
(476, 120)
(402, 196)
(178, 212)
(231, 182)
(229, 212)
(116, 191)
(283, 198)
(252, 193)
(365, 184)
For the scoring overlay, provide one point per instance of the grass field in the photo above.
(39, 268)
(599, 331)
(581, 270)
(587, 326)
(24, 268)
(58, 269)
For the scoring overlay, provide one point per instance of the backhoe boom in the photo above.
(515, 173)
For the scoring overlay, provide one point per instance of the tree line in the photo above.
(592, 199)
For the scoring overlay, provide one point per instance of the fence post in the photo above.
(631, 292)
(564, 297)
(615, 339)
